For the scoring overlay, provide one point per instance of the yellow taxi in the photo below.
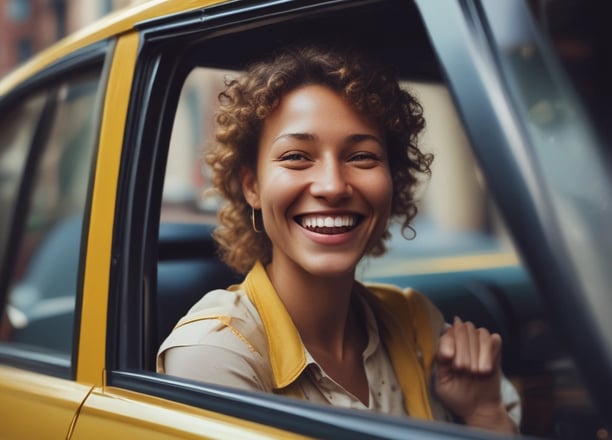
(106, 211)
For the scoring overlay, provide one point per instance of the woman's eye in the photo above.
(292, 157)
(364, 157)
(295, 160)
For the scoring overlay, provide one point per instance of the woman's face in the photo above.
(322, 183)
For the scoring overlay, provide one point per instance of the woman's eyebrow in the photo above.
(361, 137)
(350, 139)
(297, 136)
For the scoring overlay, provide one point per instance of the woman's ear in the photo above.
(250, 190)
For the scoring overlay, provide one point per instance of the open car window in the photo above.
(461, 256)
(457, 216)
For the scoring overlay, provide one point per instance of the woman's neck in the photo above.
(319, 306)
(327, 317)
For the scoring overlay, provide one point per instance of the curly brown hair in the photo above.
(367, 86)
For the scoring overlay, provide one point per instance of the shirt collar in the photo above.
(287, 353)
(288, 356)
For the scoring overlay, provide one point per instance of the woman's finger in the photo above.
(490, 346)
(462, 346)
(446, 349)
(485, 359)
(473, 345)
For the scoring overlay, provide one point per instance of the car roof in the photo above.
(403, 29)
(111, 25)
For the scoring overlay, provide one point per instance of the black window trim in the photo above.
(88, 56)
(239, 12)
(285, 413)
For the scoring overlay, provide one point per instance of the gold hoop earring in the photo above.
(253, 222)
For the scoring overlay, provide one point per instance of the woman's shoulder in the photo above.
(220, 340)
(223, 318)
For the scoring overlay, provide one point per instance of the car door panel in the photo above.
(37, 405)
(92, 346)
(117, 413)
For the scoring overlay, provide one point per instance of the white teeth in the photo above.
(340, 221)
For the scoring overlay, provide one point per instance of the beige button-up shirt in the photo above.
(223, 340)
(212, 351)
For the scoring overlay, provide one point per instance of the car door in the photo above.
(134, 401)
(545, 163)
(126, 260)
(48, 132)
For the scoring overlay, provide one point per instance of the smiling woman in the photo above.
(316, 152)
(311, 171)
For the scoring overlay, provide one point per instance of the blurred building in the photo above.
(26, 27)
(29, 26)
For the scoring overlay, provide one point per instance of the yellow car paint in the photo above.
(37, 406)
(92, 341)
(118, 413)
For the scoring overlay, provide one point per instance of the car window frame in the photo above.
(578, 297)
(82, 61)
(537, 231)
(133, 274)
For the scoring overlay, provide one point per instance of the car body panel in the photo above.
(35, 405)
(115, 413)
(92, 341)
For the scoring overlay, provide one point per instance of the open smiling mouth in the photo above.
(328, 224)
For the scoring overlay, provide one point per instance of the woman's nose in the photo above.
(330, 182)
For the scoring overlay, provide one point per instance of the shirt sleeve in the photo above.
(213, 351)
(511, 400)
(212, 364)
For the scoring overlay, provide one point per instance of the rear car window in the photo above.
(47, 230)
